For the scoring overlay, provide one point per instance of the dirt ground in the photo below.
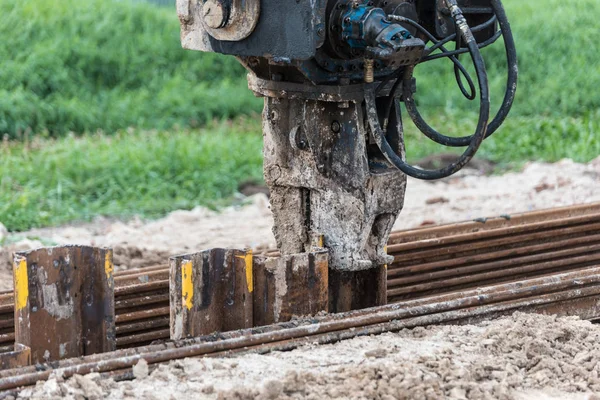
(471, 195)
(521, 357)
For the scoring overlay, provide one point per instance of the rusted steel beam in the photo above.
(142, 300)
(160, 273)
(6, 300)
(142, 287)
(288, 286)
(146, 325)
(145, 337)
(590, 211)
(514, 273)
(432, 268)
(354, 290)
(416, 252)
(140, 271)
(432, 240)
(143, 314)
(211, 292)
(514, 255)
(18, 356)
(541, 293)
(7, 322)
(64, 302)
(7, 338)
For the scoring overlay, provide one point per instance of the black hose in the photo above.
(419, 27)
(445, 54)
(484, 112)
(471, 94)
(509, 96)
(475, 29)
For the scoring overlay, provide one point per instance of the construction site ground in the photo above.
(518, 357)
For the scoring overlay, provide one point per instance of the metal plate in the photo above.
(286, 29)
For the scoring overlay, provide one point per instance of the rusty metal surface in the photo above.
(159, 273)
(64, 302)
(211, 292)
(540, 294)
(17, 357)
(292, 285)
(559, 244)
(529, 221)
(447, 259)
(356, 290)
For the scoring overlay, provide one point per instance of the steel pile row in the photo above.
(563, 294)
(431, 261)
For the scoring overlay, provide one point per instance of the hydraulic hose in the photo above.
(509, 96)
(484, 111)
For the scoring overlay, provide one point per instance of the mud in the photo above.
(518, 357)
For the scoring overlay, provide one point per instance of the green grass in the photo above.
(103, 65)
(48, 182)
(81, 66)
(558, 69)
(54, 181)
(521, 138)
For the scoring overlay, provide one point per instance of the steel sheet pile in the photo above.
(546, 261)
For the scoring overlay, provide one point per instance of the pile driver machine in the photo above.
(333, 74)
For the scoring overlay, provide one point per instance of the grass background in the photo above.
(103, 113)
(82, 66)
(132, 172)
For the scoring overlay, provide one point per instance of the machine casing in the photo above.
(286, 29)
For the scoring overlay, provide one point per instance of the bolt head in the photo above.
(336, 127)
(214, 14)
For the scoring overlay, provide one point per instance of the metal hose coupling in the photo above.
(460, 20)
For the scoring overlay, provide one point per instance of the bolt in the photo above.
(214, 14)
(336, 127)
(369, 73)
(273, 173)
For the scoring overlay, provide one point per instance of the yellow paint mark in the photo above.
(248, 259)
(187, 285)
(108, 265)
(21, 285)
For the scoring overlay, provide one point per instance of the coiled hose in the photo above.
(484, 110)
